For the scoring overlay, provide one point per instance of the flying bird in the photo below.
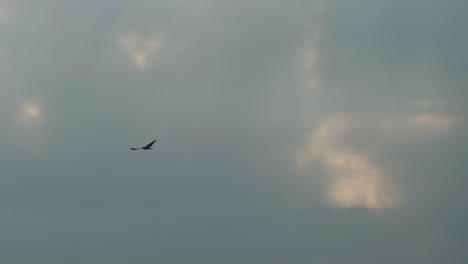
(147, 147)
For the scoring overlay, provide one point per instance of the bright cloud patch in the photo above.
(356, 180)
(30, 118)
(30, 112)
(141, 51)
(432, 121)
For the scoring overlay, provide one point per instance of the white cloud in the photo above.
(431, 121)
(423, 123)
(356, 180)
(30, 124)
(141, 51)
(309, 59)
(309, 54)
(29, 111)
(309, 67)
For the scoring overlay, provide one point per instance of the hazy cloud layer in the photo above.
(325, 132)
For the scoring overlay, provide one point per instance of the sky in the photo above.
(301, 132)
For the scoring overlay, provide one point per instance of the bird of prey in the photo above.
(147, 147)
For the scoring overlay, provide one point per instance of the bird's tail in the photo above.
(133, 148)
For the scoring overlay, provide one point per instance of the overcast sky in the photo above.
(290, 131)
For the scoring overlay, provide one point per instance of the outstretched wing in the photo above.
(150, 144)
(134, 148)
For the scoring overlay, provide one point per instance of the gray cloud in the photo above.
(226, 94)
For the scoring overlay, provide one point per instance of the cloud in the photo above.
(142, 52)
(30, 124)
(309, 66)
(355, 179)
(29, 112)
(417, 123)
(379, 146)
(310, 52)
(430, 121)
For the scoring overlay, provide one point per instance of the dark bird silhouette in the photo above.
(147, 147)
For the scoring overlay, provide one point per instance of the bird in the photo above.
(147, 147)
